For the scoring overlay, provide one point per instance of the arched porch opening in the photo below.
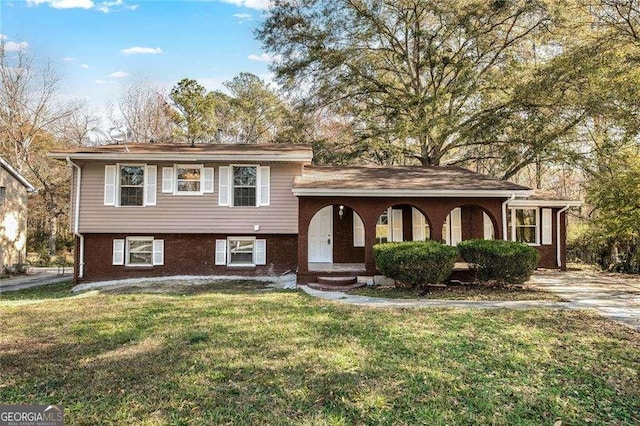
(402, 222)
(336, 239)
(467, 222)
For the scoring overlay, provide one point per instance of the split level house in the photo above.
(217, 209)
(14, 189)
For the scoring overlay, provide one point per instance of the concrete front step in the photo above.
(330, 287)
(337, 281)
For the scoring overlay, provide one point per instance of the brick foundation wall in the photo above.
(184, 254)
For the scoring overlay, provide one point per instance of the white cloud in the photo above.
(12, 46)
(68, 59)
(137, 50)
(243, 16)
(84, 66)
(119, 74)
(265, 57)
(3, 37)
(102, 6)
(250, 4)
(105, 82)
(63, 4)
(108, 6)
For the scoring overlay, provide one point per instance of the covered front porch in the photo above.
(336, 236)
(344, 211)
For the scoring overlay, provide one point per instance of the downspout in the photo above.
(504, 216)
(558, 242)
(76, 221)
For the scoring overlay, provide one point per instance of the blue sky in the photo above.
(100, 45)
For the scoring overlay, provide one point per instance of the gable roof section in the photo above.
(13, 172)
(431, 181)
(184, 152)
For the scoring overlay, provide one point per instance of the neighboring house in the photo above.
(152, 209)
(13, 216)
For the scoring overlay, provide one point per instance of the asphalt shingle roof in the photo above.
(421, 178)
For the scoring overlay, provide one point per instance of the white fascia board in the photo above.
(323, 192)
(18, 176)
(544, 203)
(190, 157)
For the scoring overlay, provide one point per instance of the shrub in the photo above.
(500, 261)
(416, 263)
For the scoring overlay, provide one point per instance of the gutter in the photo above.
(400, 192)
(76, 221)
(504, 216)
(13, 172)
(558, 242)
(184, 156)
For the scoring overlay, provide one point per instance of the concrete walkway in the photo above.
(352, 299)
(35, 278)
(614, 296)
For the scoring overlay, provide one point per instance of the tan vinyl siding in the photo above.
(13, 220)
(190, 213)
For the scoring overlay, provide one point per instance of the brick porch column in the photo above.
(369, 242)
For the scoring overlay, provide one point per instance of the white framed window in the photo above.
(241, 251)
(188, 179)
(130, 185)
(389, 226)
(382, 227)
(138, 251)
(244, 185)
(524, 225)
(131, 179)
(244, 180)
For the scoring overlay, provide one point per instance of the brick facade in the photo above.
(194, 254)
(435, 211)
(184, 254)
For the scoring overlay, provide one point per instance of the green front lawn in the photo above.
(248, 356)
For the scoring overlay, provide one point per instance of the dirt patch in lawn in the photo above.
(478, 292)
(193, 287)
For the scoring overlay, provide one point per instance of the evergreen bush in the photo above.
(505, 262)
(415, 264)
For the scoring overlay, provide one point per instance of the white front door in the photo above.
(321, 236)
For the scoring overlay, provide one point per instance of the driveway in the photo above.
(615, 296)
(35, 278)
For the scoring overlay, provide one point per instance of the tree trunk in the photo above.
(53, 233)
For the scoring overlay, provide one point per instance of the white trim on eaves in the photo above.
(544, 203)
(372, 192)
(184, 157)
